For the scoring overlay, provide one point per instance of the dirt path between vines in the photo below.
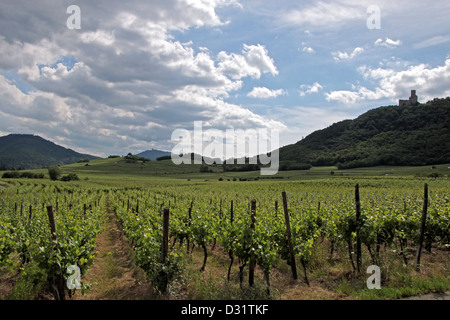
(114, 276)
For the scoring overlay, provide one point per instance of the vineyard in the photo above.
(242, 240)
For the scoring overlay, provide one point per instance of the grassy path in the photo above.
(114, 276)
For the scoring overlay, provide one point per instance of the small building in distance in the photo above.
(411, 102)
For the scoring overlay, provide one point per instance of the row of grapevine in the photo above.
(254, 225)
(26, 231)
(251, 229)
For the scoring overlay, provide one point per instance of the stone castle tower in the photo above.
(413, 100)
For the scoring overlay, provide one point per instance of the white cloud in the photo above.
(131, 83)
(305, 48)
(308, 89)
(322, 14)
(265, 93)
(253, 62)
(100, 36)
(339, 55)
(433, 41)
(308, 50)
(351, 97)
(396, 84)
(337, 14)
(19, 54)
(388, 43)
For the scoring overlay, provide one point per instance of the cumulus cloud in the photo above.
(128, 83)
(388, 43)
(253, 62)
(430, 82)
(308, 50)
(265, 93)
(358, 94)
(308, 89)
(339, 55)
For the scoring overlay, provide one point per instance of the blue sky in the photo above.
(139, 70)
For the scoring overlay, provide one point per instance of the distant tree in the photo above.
(130, 158)
(11, 175)
(54, 173)
(28, 175)
(164, 158)
(204, 168)
(70, 177)
(17, 174)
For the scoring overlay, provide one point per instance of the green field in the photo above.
(213, 211)
(118, 169)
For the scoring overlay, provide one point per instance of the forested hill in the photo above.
(24, 151)
(153, 154)
(393, 135)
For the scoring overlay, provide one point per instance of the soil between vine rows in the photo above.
(114, 276)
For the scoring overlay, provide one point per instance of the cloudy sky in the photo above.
(136, 71)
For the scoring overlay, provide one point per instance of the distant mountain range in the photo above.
(153, 154)
(25, 151)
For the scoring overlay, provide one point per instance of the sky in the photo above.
(122, 76)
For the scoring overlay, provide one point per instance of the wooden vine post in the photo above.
(165, 240)
(230, 252)
(163, 276)
(288, 231)
(422, 226)
(251, 268)
(189, 226)
(358, 229)
(59, 277)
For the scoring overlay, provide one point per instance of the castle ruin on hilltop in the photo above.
(411, 102)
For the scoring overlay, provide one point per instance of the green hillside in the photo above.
(123, 172)
(385, 136)
(24, 151)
